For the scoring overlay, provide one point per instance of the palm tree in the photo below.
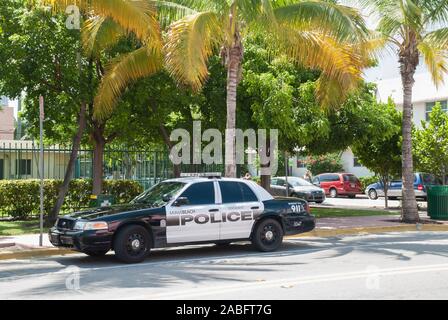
(105, 22)
(417, 29)
(316, 34)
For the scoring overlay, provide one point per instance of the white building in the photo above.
(425, 95)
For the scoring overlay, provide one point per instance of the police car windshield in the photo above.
(155, 195)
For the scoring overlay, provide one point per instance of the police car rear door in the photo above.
(195, 220)
(239, 208)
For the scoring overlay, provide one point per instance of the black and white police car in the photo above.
(187, 210)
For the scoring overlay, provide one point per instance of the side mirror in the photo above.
(181, 201)
(166, 197)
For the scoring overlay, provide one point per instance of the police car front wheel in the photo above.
(132, 244)
(268, 235)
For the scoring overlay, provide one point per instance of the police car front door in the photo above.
(239, 209)
(197, 219)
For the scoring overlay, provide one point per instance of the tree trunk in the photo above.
(166, 139)
(408, 63)
(234, 57)
(386, 190)
(99, 143)
(51, 219)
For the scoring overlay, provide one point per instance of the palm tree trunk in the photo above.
(408, 64)
(234, 57)
(51, 219)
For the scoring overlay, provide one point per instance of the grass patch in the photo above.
(14, 228)
(335, 212)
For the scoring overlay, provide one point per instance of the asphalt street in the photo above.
(410, 265)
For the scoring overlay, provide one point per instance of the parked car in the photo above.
(298, 187)
(185, 211)
(338, 184)
(421, 180)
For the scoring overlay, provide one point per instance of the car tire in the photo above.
(373, 195)
(132, 244)
(268, 235)
(96, 253)
(319, 202)
(333, 193)
(352, 196)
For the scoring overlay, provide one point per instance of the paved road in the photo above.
(363, 202)
(393, 266)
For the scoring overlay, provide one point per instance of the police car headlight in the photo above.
(94, 225)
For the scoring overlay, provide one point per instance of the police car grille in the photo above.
(66, 224)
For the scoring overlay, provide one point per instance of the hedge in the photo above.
(20, 198)
(366, 181)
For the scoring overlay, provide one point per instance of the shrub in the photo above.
(324, 163)
(366, 181)
(20, 198)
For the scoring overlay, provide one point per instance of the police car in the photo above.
(187, 210)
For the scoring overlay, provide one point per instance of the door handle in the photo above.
(254, 208)
(213, 210)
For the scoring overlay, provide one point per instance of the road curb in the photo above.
(25, 254)
(321, 233)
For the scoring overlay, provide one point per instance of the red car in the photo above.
(336, 184)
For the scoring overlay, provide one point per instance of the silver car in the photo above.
(299, 188)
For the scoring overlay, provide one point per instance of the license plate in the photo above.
(66, 240)
(54, 238)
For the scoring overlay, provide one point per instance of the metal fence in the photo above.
(20, 159)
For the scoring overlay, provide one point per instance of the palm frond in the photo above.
(99, 33)
(338, 61)
(438, 37)
(138, 17)
(340, 22)
(125, 69)
(436, 59)
(190, 42)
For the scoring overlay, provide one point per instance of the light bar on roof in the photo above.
(200, 174)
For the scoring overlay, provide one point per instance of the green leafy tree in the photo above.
(324, 163)
(317, 34)
(431, 144)
(417, 29)
(381, 152)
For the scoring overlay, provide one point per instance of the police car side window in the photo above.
(200, 193)
(248, 194)
(232, 192)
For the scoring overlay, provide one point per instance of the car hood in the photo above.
(95, 213)
(307, 188)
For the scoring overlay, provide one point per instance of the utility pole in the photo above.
(41, 168)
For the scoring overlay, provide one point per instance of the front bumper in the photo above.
(295, 224)
(81, 240)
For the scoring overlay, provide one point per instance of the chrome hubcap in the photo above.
(269, 235)
(135, 244)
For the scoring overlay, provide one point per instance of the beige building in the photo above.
(6, 123)
(19, 159)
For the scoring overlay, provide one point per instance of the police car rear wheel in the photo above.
(268, 235)
(132, 244)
